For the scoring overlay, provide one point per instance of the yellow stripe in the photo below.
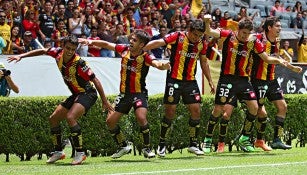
(124, 72)
(233, 59)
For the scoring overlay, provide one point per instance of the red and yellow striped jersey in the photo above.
(237, 55)
(134, 70)
(184, 55)
(260, 69)
(76, 73)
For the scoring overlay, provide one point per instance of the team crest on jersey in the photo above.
(140, 59)
(181, 39)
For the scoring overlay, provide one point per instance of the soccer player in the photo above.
(83, 85)
(187, 48)
(234, 78)
(135, 64)
(266, 85)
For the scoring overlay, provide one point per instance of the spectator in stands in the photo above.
(135, 64)
(60, 15)
(82, 50)
(29, 42)
(216, 15)
(6, 82)
(288, 9)
(243, 14)
(94, 51)
(17, 45)
(276, 8)
(302, 49)
(76, 22)
(181, 83)
(286, 51)
(145, 25)
(176, 26)
(59, 33)
(3, 44)
(129, 21)
(298, 7)
(30, 24)
(83, 85)
(5, 32)
(105, 34)
(45, 22)
(69, 9)
(159, 52)
(297, 22)
(167, 14)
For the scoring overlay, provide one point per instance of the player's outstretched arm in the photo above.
(32, 53)
(161, 65)
(99, 43)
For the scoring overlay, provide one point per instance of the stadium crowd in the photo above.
(48, 21)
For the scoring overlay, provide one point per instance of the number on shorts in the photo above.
(224, 92)
(118, 98)
(262, 93)
(171, 91)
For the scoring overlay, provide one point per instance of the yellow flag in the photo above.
(196, 7)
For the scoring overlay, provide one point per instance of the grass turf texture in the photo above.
(279, 162)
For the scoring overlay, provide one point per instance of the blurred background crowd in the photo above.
(24, 22)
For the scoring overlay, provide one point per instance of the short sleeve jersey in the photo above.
(134, 70)
(260, 69)
(184, 55)
(76, 73)
(237, 55)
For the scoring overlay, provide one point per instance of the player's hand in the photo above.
(213, 88)
(297, 69)
(15, 58)
(207, 18)
(166, 66)
(84, 41)
(108, 107)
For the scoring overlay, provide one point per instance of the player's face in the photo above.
(69, 50)
(275, 29)
(195, 36)
(243, 35)
(134, 43)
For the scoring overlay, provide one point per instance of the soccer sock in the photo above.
(223, 129)
(56, 136)
(76, 135)
(261, 125)
(118, 136)
(145, 135)
(248, 124)
(211, 126)
(279, 127)
(194, 126)
(165, 127)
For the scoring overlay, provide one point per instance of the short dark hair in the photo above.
(269, 21)
(73, 39)
(198, 25)
(246, 24)
(142, 35)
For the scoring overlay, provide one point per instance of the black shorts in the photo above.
(124, 102)
(269, 89)
(232, 88)
(187, 89)
(86, 99)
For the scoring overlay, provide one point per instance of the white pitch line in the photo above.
(211, 168)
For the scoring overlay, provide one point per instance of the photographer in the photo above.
(6, 82)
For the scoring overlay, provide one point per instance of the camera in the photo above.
(6, 72)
